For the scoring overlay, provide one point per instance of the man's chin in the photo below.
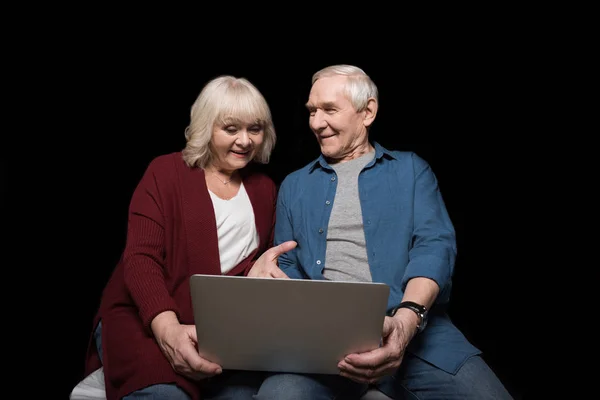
(329, 151)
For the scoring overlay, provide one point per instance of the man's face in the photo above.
(339, 128)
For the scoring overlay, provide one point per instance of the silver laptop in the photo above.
(285, 325)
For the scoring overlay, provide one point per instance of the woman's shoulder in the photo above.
(168, 159)
(167, 164)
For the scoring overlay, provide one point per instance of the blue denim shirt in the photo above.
(408, 234)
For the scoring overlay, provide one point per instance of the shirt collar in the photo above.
(379, 152)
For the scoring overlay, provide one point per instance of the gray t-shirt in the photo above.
(346, 255)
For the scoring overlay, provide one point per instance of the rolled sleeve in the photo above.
(428, 266)
(434, 241)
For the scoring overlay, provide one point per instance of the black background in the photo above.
(117, 104)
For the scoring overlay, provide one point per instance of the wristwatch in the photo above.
(419, 309)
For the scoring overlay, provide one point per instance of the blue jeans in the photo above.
(415, 379)
(228, 385)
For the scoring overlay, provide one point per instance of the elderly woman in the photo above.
(198, 211)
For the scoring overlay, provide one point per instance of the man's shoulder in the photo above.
(301, 173)
(296, 181)
(403, 156)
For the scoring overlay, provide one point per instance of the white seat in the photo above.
(92, 388)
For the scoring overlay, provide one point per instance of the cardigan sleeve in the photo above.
(144, 255)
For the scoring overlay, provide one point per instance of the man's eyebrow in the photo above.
(327, 104)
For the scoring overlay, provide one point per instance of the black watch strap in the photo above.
(418, 309)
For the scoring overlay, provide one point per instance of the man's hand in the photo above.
(371, 366)
(266, 266)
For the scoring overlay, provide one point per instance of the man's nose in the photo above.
(317, 121)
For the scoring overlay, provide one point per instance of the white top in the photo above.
(236, 228)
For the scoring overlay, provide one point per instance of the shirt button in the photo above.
(320, 230)
(318, 262)
(333, 178)
(328, 202)
(369, 222)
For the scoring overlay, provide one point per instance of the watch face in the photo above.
(423, 324)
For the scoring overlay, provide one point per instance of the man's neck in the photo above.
(357, 152)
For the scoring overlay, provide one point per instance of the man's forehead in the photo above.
(325, 91)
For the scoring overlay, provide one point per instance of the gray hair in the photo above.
(359, 87)
(223, 99)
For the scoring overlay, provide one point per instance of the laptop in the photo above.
(285, 325)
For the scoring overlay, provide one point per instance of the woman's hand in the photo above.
(179, 344)
(266, 266)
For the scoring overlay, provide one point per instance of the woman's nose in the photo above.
(243, 138)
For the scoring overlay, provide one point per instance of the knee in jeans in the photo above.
(290, 387)
(159, 391)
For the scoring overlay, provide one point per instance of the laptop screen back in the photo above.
(285, 325)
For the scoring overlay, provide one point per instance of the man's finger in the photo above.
(369, 360)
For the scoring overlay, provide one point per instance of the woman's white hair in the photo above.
(224, 99)
(359, 86)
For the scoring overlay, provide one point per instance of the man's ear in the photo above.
(370, 112)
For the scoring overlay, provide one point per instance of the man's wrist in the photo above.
(419, 311)
(408, 318)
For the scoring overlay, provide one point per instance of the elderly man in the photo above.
(361, 212)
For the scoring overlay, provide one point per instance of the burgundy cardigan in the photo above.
(171, 235)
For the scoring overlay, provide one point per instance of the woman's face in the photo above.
(235, 143)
